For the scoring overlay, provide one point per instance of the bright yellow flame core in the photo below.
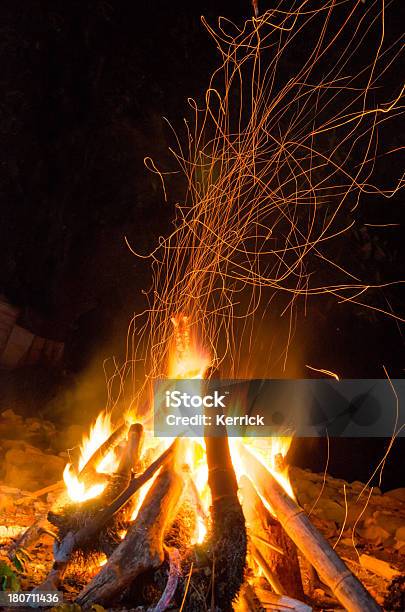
(76, 489)
(100, 431)
(187, 360)
(197, 462)
(267, 451)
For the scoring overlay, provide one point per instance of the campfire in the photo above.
(212, 523)
(186, 523)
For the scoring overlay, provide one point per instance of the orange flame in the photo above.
(186, 360)
(100, 431)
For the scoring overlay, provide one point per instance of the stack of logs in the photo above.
(155, 562)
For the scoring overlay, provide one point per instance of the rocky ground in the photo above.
(366, 527)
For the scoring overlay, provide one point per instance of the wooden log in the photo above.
(271, 578)
(379, 567)
(132, 451)
(172, 581)
(57, 486)
(129, 465)
(142, 548)
(136, 483)
(247, 599)
(30, 536)
(263, 527)
(277, 602)
(72, 541)
(221, 475)
(333, 571)
(228, 530)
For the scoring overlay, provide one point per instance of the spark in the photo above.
(270, 189)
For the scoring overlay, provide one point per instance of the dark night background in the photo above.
(84, 86)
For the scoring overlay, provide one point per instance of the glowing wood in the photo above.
(345, 586)
(72, 541)
(132, 451)
(142, 548)
(228, 530)
(269, 539)
(379, 567)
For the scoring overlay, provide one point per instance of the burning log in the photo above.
(221, 475)
(142, 548)
(228, 531)
(128, 462)
(86, 534)
(345, 586)
(269, 540)
(172, 582)
(130, 456)
(72, 516)
(128, 466)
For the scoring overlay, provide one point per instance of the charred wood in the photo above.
(271, 542)
(333, 571)
(142, 548)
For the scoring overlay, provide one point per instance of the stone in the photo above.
(346, 542)
(400, 533)
(374, 534)
(53, 468)
(313, 490)
(10, 490)
(10, 415)
(15, 457)
(6, 502)
(332, 511)
(355, 510)
(357, 485)
(67, 439)
(388, 521)
(303, 499)
(17, 444)
(397, 493)
(31, 469)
